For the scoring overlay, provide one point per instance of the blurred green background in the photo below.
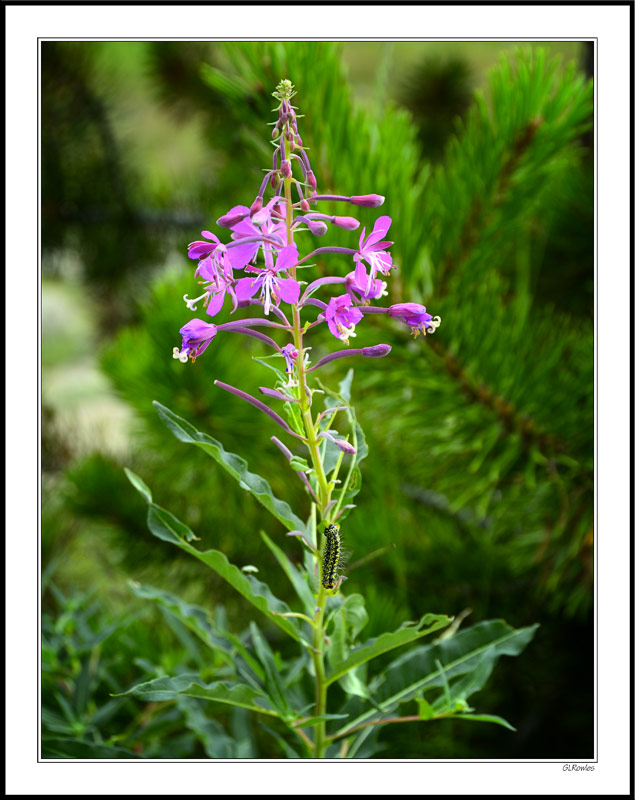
(478, 489)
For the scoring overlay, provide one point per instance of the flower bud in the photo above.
(344, 446)
(286, 168)
(368, 200)
(316, 227)
(304, 205)
(275, 133)
(310, 179)
(256, 206)
(376, 351)
(347, 223)
(229, 220)
(275, 180)
(288, 134)
(298, 140)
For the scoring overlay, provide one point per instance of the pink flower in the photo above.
(197, 336)
(272, 288)
(366, 290)
(242, 254)
(416, 316)
(342, 317)
(372, 250)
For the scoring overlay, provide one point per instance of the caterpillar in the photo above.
(332, 556)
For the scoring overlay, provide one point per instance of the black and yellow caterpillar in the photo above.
(331, 558)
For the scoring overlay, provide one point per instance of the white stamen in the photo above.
(345, 332)
(180, 354)
(191, 304)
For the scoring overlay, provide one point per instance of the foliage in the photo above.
(481, 440)
(471, 654)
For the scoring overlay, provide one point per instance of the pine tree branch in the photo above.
(478, 217)
(512, 419)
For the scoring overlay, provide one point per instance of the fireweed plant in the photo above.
(262, 267)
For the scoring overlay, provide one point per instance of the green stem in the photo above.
(323, 495)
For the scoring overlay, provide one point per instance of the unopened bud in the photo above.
(344, 446)
(347, 223)
(275, 133)
(275, 181)
(298, 140)
(304, 205)
(256, 206)
(376, 351)
(229, 220)
(288, 134)
(368, 200)
(310, 179)
(286, 169)
(317, 227)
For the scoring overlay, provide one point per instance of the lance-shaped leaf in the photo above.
(234, 465)
(195, 618)
(293, 574)
(273, 681)
(73, 748)
(191, 685)
(387, 641)
(487, 718)
(167, 527)
(457, 656)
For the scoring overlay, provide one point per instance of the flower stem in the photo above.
(323, 497)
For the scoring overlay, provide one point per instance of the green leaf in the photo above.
(459, 655)
(353, 682)
(234, 465)
(300, 464)
(298, 581)
(195, 618)
(355, 612)
(272, 673)
(139, 485)
(344, 386)
(191, 685)
(288, 751)
(212, 735)
(167, 528)
(294, 417)
(425, 709)
(486, 718)
(73, 748)
(281, 376)
(388, 641)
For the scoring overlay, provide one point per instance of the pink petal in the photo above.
(206, 269)
(241, 255)
(237, 210)
(361, 276)
(246, 288)
(244, 228)
(216, 303)
(287, 258)
(333, 328)
(380, 229)
(381, 245)
(289, 289)
(198, 249)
